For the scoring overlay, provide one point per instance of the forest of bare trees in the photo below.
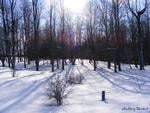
(116, 31)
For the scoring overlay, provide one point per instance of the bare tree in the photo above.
(133, 36)
(91, 30)
(138, 14)
(6, 27)
(14, 19)
(62, 34)
(116, 11)
(36, 22)
(26, 10)
(52, 29)
(104, 8)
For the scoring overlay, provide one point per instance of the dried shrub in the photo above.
(57, 89)
(75, 79)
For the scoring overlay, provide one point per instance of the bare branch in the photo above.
(132, 9)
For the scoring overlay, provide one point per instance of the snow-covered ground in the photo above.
(126, 92)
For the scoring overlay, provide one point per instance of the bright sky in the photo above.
(74, 6)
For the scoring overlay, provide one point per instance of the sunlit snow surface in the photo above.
(126, 91)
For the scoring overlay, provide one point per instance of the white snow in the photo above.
(126, 92)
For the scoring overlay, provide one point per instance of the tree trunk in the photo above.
(3, 62)
(63, 64)
(37, 64)
(95, 65)
(109, 64)
(57, 63)
(52, 63)
(140, 44)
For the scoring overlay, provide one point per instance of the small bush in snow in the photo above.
(75, 79)
(57, 89)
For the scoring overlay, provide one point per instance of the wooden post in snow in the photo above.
(103, 96)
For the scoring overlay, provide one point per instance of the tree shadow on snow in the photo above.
(116, 80)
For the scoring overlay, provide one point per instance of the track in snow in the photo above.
(25, 93)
